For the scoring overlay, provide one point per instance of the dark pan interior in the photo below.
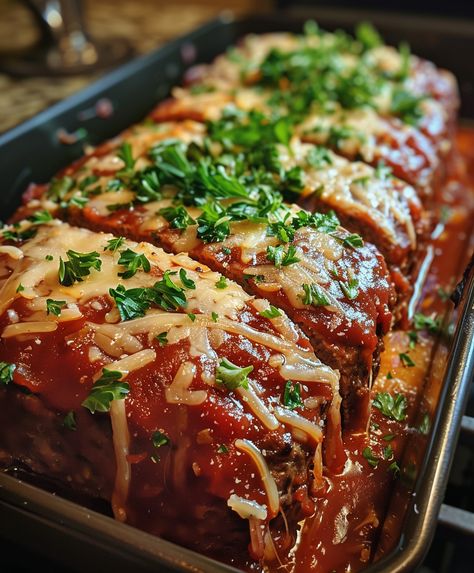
(32, 152)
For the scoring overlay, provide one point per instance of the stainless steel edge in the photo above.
(427, 498)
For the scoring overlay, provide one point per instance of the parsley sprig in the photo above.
(107, 388)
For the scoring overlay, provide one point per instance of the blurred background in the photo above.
(119, 29)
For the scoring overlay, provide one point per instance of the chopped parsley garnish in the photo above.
(407, 106)
(114, 244)
(383, 171)
(107, 388)
(147, 186)
(6, 372)
(59, 188)
(69, 421)
(133, 262)
(387, 452)
(133, 303)
(87, 182)
(40, 217)
(355, 241)
(187, 282)
(425, 425)
(314, 295)
(78, 266)
(281, 258)
(177, 217)
(125, 154)
(271, 312)
(423, 322)
(232, 376)
(54, 306)
(49, 257)
(406, 360)
(214, 316)
(395, 469)
(350, 288)
(368, 36)
(162, 339)
(389, 375)
(222, 449)
(20, 288)
(192, 316)
(393, 407)
(221, 283)
(292, 395)
(318, 157)
(17, 236)
(389, 437)
(213, 223)
(159, 439)
(413, 338)
(370, 457)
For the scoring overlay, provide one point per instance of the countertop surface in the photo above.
(145, 24)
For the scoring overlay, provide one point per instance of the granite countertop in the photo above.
(144, 23)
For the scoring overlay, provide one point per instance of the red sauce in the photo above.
(346, 529)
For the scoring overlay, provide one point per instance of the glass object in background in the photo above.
(64, 47)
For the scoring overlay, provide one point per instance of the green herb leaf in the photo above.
(271, 312)
(353, 240)
(214, 316)
(69, 421)
(177, 217)
(393, 407)
(430, 323)
(6, 372)
(59, 188)
(107, 388)
(221, 283)
(370, 457)
(187, 282)
(318, 157)
(350, 289)
(18, 236)
(406, 360)
(281, 258)
(387, 452)
(162, 338)
(125, 154)
(159, 439)
(314, 295)
(232, 376)
(395, 469)
(133, 261)
(20, 288)
(425, 425)
(54, 306)
(368, 36)
(114, 244)
(131, 303)
(40, 217)
(78, 266)
(292, 395)
(222, 449)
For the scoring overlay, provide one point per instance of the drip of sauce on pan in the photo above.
(346, 532)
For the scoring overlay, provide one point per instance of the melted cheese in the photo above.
(267, 479)
(179, 393)
(247, 508)
(294, 420)
(121, 439)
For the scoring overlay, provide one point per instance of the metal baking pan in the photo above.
(76, 538)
